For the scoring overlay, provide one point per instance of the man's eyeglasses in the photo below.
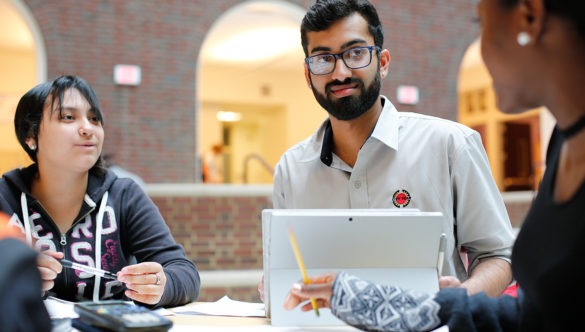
(354, 58)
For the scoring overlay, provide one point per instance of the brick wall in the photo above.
(223, 231)
(151, 128)
(219, 231)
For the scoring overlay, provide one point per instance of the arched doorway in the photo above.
(515, 143)
(22, 64)
(251, 69)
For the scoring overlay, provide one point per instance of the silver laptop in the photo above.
(398, 247)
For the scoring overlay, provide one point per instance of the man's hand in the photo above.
(261, 289)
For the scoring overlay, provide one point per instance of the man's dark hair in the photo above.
(324, 13)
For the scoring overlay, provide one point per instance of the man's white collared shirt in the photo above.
(410, 161)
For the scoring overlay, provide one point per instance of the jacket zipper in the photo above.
(63, 243)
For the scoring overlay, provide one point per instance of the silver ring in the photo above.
(157, 279)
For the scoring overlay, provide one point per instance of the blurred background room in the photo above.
(178, 79)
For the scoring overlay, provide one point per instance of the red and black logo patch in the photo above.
(401, 198)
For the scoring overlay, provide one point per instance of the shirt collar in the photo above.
(386, 131)
(327, 147)
(388, 125)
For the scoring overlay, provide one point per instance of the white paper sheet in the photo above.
(58, 308)
(223, 307)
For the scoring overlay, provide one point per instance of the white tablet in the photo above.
(392, 246)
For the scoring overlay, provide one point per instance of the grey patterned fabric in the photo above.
(374, 307)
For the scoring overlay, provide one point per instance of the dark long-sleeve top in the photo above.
(129, 224)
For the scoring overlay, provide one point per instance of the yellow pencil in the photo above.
(295, 246)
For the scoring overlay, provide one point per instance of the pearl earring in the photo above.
(33, 147)
(523, 38)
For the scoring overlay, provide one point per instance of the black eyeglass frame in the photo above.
(340, 56)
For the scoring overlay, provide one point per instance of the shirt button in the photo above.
(357, 184)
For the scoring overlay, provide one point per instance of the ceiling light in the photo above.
(224, 116)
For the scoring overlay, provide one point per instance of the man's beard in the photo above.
(350, 107)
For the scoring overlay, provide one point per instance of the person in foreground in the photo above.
(70, 207)
(534, 50)
(21, 307)
(369, 155)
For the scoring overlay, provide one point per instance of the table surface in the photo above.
(190, 320)
(244, 324)
(186, 322)
(241, 324)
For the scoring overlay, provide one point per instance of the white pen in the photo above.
(92, 270)
(442, 248)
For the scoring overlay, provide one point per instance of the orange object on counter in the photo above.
(7, 230)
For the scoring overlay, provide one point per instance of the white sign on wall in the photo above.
(407, 94)
(127, 74)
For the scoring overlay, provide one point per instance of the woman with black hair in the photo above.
(70, 207)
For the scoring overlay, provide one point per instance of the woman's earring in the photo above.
(523, 38)
(33, 147)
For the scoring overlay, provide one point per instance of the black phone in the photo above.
(117, 315)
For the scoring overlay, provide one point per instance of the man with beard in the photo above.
(369, 155)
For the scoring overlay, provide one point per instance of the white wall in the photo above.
(276, 104)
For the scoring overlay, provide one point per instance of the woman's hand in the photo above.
(145, 282)
(449, 282)
(320, 288)
(49, 267)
